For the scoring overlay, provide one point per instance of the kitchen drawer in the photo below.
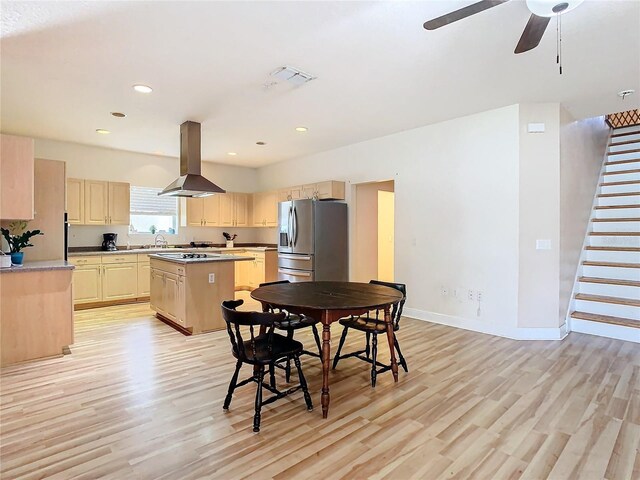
(295, 276)
(295, 261)
(167, 267)
(126, 258)
(143, 258)
(88, 260)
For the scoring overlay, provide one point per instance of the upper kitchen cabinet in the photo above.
(75, 201)
(234, 209)
(329, 190)
(96, 202)
(265, 209)
(203, 212)
(104, 203)
(119, 203)
(16, 178)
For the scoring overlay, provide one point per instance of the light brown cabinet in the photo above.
(329, 190)
(120, 281)
(265, 209)
(168, 295)
(96, 202)
(75, 201)
(144, 279)
(203, 212)
(16, 178)
(263, 268)
(234, 210)
(87, 284)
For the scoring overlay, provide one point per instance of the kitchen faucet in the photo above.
(161, 241)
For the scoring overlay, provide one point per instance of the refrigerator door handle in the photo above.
(290, 227)
(295, 226)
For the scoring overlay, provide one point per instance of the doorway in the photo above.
(374, 232)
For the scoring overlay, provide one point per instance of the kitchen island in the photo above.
(36, 311)
(187, 289)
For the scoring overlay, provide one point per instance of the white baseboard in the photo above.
(618, 332)
(485, 327)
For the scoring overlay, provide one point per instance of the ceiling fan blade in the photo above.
(462, 13)
(532, 33)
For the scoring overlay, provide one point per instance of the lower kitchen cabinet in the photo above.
(87, 284)
(144, 280)
(263, 268)
(120, 281)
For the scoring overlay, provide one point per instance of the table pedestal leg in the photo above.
(326, 357)
(394, 363)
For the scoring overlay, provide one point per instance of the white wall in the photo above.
(96, 163)
(456, 187)
(582, 147)
(539, 216)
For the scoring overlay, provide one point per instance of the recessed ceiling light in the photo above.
(143, 88)
(233, 154)
(261, 143)
(118, 114)
(102, 131)
(626, 93)
(301, 129)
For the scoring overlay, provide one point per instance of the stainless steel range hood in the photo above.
(191, 183)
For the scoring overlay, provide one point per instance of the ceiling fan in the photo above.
(541, 13)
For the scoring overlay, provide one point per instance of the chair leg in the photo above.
(256, 417)
(303, 383)
(367, 348)
(342, 339)
(374, 355)
(287, 370)
(272, 375)
(403, 362)
(316, 336)
(232, 386)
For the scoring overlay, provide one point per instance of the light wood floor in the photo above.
(137, 400)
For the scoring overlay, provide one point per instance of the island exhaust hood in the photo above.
(190, 183)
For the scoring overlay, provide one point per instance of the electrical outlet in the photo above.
(479, 296)
(212, 278)
(444, 291)
(470, 295)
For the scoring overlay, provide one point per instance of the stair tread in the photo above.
(592, 263)
(622, 152)
(616, 219)
(624, 134)
(626, 142)
(620, 162)
(615, 234)
(614, 249)
(625, 182)
(625, 322)
(623, 172)
(622, 194)
(609, 207)
(610, 281)
(605, 299)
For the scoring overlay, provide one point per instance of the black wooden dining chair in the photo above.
(294, 322)
(260, 351)
(372, 326)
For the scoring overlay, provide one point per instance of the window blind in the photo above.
(145, 201)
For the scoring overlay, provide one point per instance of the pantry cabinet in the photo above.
(17, 167)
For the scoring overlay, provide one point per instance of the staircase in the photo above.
(607, 294)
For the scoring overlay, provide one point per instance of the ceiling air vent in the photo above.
(292, 75)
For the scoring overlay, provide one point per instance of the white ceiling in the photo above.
(66, 65)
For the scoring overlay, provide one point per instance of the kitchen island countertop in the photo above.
(211, 257)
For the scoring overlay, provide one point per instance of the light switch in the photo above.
(535, 127)
(543, 244)
(212, 278)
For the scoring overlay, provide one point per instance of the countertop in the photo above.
(172, 250)
(39, 266)
(212, 257)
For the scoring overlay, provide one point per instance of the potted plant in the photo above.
(17, 236)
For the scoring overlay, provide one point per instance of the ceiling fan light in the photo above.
(551, 8)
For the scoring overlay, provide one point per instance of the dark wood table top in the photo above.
(327, 295)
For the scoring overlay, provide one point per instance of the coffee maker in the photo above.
(109, 241)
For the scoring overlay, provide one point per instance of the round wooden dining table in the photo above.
(329, 302)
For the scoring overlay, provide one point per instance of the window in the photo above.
(153, 214)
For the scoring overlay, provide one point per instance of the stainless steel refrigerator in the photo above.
(312, 241)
